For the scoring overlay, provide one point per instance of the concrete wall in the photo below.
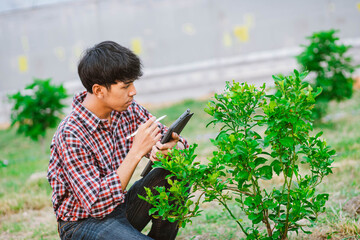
(194, 45)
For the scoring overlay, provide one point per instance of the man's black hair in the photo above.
(108, 63)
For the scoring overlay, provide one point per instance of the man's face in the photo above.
(120, 96)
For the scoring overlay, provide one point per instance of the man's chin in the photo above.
(123, 108)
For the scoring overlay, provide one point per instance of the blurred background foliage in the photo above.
(38, 109)
(332, 66)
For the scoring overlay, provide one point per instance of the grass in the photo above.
(25, 206)
(22, 181)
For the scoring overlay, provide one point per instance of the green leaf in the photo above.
(256, 218)
(152, 211)
(305, 231)
(258, 117)
(277, 167)
(183, 224)
(249, 201)
(287, 142)
(243, 175)
(296, 73)
(260, 160)
(265, 172)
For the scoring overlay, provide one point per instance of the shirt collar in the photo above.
(89, 119)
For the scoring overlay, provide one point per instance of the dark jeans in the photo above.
(127, 220)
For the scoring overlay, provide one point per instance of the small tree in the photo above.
(332, 68)
(245, 160)
(39, 110)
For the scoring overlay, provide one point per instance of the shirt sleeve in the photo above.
(144, 115)
(97, 195)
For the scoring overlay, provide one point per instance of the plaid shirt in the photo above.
(85, 154)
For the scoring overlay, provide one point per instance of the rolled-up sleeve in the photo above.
(113, 181)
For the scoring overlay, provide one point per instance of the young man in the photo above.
(92, 160)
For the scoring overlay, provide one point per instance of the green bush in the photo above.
(244, 165)
(332, 68)
(39, 110)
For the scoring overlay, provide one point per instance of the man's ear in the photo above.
(98, 90)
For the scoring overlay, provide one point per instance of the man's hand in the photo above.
(164, 148)
(147, 136)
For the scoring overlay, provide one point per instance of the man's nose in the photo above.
(132, 91)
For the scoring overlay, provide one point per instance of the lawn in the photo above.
(25, 206)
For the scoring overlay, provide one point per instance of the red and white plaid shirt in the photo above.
(85, 153)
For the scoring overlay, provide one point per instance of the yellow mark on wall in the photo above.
(77, 50)
(73, 64)
(227, 41)
(23, 63)
(331, 7)
(60, 53)
(358, 6)
(242, 33)
(188, 28)
(25, 43)
(249, 20)
(136, 46)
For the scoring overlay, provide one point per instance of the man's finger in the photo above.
(149, 122)
(154, 131)
(153, 159)
(165, 152)
(175, 136)
(153, 126)
(158, 137)
(167, 145)
(159, 145)
(153, 154)
(154, 150)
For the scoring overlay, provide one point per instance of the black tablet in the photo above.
(176, 127)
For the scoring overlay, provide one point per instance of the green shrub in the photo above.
(332, 68)
(244, 165)
(39, 110)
